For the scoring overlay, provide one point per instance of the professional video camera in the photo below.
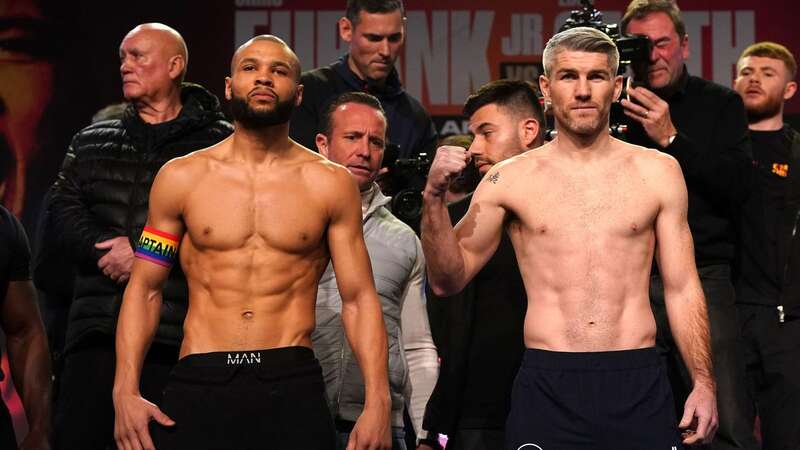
(405, 182)
(634, 54)
(634, 50)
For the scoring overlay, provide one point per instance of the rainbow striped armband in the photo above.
(157, 247)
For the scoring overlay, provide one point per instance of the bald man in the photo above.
(98, 210)
(254, 222)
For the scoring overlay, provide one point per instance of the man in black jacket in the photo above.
(769, 252)
(98, 209)
(375, 32)
(703, 125)
(480, 337)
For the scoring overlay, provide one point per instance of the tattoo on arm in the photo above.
(494, 178)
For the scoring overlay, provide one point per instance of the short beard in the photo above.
(769, 109)
(585, 130)
(252, 118)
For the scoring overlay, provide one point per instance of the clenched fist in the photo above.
(448, 163)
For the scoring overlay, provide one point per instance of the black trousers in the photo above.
(735, 413)
(772, 356)
(84, 418)
(261, 399)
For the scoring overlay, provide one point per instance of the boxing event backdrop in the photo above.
(452, 47)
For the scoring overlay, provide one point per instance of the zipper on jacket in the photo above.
(781, 312)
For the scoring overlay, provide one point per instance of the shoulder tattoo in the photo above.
(494, 178)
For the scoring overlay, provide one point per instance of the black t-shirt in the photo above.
(479, 335)
(761, 267)
(15, 255)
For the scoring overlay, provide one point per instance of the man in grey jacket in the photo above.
(353, 134)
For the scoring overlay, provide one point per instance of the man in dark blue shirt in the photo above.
(375, 32)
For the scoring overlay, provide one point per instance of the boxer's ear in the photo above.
(322, 144)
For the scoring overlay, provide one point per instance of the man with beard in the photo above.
(768, 279)
(480, 335)
(702, 125)
(258, 217)
(97, 210)
(375, 32)
(585, 214)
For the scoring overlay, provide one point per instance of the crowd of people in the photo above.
(245, 284)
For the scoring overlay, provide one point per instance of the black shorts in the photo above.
(261, 399)
(600, 400)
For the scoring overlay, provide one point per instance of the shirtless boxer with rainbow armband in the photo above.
(247, 377)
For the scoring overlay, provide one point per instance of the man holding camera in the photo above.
(702, 125)
(768, 281)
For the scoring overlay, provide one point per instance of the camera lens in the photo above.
(407, 205)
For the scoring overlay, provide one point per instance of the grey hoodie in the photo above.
(398, 266)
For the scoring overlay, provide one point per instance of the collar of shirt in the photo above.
(371, 200)
(392, 88)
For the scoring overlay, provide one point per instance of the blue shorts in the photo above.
(618, 400)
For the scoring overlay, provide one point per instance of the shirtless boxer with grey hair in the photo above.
(586, 213)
